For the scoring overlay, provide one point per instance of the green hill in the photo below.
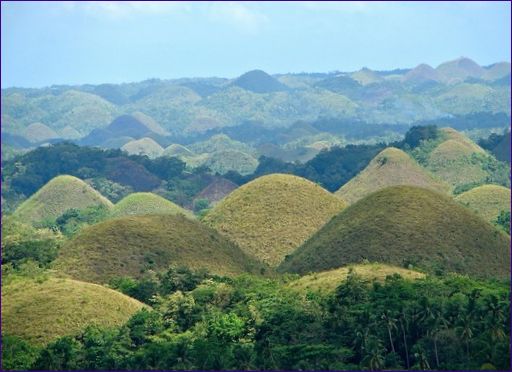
(141, 203)
(144, 146)
(459, 70)
(497, 71)
(422, 73)
(487, 200)
(150, 123)
(327, 281)
(219, 142)
(258, 81)
(404, 226)
(40, 312)
(58, 195)
(223, 161)
(391, 167)
(132, 245)
(366, 76)
(272, 215)
(38, 132)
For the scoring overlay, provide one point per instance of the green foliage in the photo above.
(418, 134)
(452, 322)
(113, 191)
(17, 354)
(73, 220)
(201, 204)
(503, 221)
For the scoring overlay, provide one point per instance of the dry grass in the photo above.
(404, 226)
(57, 196)
(487, 200)
(130, 246)
(391, 167)
(327, 281)
(272, 215)
(41, 311)
(141, 203)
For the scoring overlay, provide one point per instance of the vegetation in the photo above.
(57, 196)
(409, 227)
(487, 201)
(146, 203)
(391, 167)
(41, 310)
(449, 323)
(272, 215)
(134, 245)
(144, 146)
(328, 281)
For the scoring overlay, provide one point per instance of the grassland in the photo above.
(487, 201)
(130, 246)
(58, 195)
(409, 227)
(40, 311)
(272, 215)
(391, 167)
(141, 203)
(143, 146)
(327, 281)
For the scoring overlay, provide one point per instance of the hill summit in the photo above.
(259, 81)
(391, 167)
(57, 196)
(272, 215)
(141, 203)
(406, 226)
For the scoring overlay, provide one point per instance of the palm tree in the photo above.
(390, 322)
(403, 322)
(374, 358)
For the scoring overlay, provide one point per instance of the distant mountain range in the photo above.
(194, 105)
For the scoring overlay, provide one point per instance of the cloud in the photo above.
(238, 14)
(123, 9)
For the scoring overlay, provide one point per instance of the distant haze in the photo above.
(112, 42)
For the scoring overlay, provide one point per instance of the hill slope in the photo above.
(58, 195)
(258, 81)
(142, 203)
(129, 246)
(40, 312)
(391, 167)
(272, 215)
(487, 201)
(405, 225)
(38, 132)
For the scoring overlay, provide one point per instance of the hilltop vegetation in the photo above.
(404, 226)
(42, 310)
(132, 246)
(391, 167)
(57, 196)
(272, 215)
(144, 146)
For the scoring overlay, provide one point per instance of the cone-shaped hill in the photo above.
(40, 312)
(38, 132)
(272, 215)
(128, 246)
(405, 225)
(142, 203)
(177, 150)
(487, 200)
(144, 146)
(327, 281)
(458, 160)
(57, 196)
(391, 167)
(258, 81)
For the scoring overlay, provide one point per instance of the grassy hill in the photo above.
(38, 132)
(391, 167)
(132, 245)
(258, 81)
(142, 203)
(327, 281)
(41, 311)
(422, 73)
(58, 195)
(404, 226)
(459, 70)
(460, 162)
(144, 146)
(149, 123)
(223, 161)
(487, 200)
(272, 215)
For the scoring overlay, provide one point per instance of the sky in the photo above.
(50, 43)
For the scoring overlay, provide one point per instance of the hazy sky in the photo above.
(97, 42)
